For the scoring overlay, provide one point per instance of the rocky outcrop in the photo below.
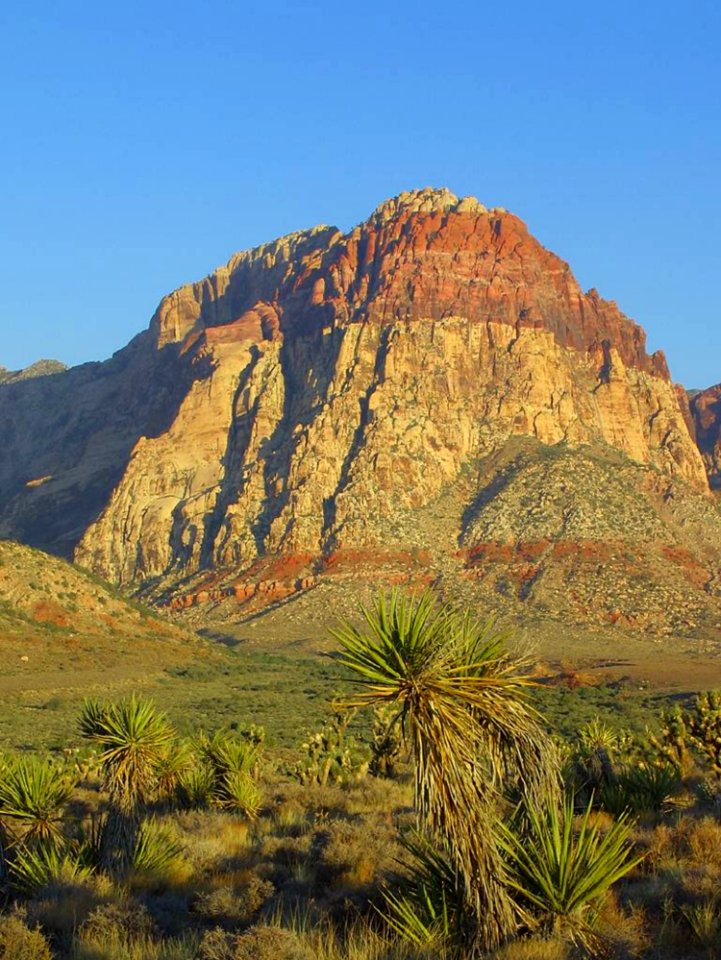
(316, 394)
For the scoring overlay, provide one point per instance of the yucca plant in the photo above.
(34, 867)
(640, 789)
(239, 792)
(33, 795)
(171, 768)
(232, 762)
(227, 752)
(562, 870)
(155, 849)
(427, 905)
(461, 704)
(593, 769)
(134, 737)
(196, 786)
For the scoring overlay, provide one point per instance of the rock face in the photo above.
(706, 412)
(318, 394)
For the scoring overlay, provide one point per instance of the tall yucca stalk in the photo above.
(461, 702)
(134, 738)
(33, 794)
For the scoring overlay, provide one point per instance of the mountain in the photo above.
(41, 368)
(429, 396)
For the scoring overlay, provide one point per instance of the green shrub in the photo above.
(196, 786)
(229, 906)
(641, 789)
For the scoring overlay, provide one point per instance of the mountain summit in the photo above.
(425, 393)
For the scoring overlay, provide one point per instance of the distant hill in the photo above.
(53, 612)
(41, 368)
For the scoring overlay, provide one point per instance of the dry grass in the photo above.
(18, 941)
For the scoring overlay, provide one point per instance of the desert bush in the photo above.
(357, 856)
(258, 943)
(704, 920)
(61, 907)
(18, 941)
(230, 906)
(535, 948)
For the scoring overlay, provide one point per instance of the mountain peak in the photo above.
(331, 401)
(425, 200)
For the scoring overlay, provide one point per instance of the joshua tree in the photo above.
(134, 737)
(460, 700)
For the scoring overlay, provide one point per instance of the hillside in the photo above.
(65, 634)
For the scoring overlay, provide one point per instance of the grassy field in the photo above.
(285, 686)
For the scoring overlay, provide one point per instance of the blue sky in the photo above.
(142, 144)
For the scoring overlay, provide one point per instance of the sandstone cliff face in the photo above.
(352, 376)
(312, 396)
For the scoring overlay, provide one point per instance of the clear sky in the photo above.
(143, 143)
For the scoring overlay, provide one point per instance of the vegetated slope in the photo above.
(54, 616)
(301, 413)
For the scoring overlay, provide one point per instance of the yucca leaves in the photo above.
(172, 766)
(134, 738)
(33, 794)
(562, 868)
(228, 753)
(462, 702)
(155, 849)
(34, 867)
(428, 906)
